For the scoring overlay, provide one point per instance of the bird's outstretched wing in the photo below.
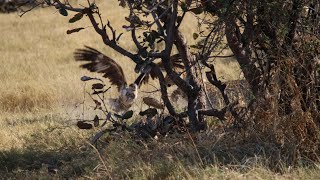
(176, 63)
(98, 62)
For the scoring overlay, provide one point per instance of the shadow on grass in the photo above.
(174, 156)
(65, 163)
(51, 151)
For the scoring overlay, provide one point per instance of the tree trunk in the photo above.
(196, 97)
(250, 71)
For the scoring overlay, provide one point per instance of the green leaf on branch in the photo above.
(93, 6)
(74, 30)
(63, 11)
(122, 3)
(76, 18)
(96, 121)
(84, 125)
(184, 6)
(195, 36)
(97, 86)
(127, 115)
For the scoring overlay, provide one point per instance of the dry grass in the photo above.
(40, 91)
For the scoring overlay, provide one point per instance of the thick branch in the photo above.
(210, 112)
(59, 5)
(101, 31)
(163, 89)
(135, 40)
(187, 59)
(293, 20)
(157, 21)
(248, 30)
(106, 39)
(170, 30)
(175, 77)
(250, 71)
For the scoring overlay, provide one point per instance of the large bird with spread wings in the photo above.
(98, 62)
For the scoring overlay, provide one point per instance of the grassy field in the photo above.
(41, 94)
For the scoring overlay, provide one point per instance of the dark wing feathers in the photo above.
(176, 63)
(98, 62)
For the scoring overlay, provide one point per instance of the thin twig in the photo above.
(28, 10)
(101, 159)
(195, 147)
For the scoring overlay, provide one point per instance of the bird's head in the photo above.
(132, 92)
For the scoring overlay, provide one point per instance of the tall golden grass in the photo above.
(38, 71)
